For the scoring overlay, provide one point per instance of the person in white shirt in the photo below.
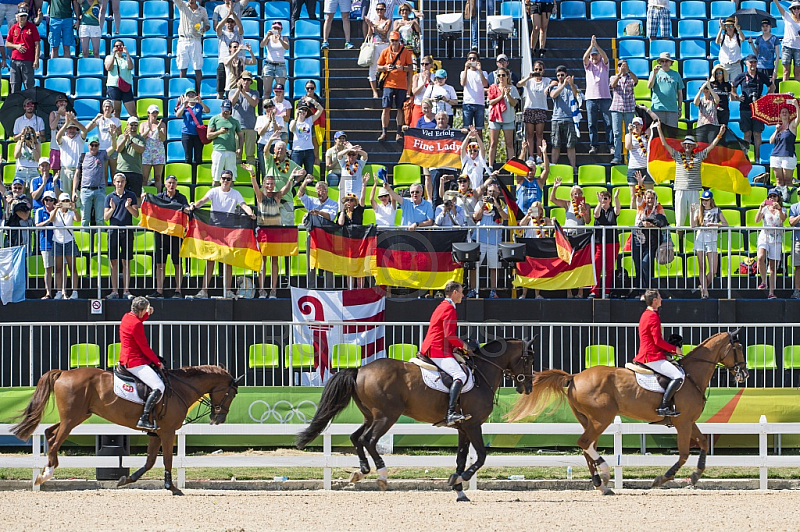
(64, 248)
(473, 157)
(444, 96)
(386, 207)
(229, 30)
(275, 61)
(475, 81)
(224, 199)
(72, 146)
(193, 24)
(322, 205)
(29, 118)
(108, 127)
(352, 160)
(791, 38)
(730, 39)
(534, 91)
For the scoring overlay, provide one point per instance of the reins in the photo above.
(736, 366)
(203, 401)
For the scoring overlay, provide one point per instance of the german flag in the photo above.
(517, 167)
(543, 268)
(417, 259)
(163, 216)
(346, 250)
(277, 241)
(563, 245)
(222, 237)
(725, 168)
(515, 214)
(432, 147)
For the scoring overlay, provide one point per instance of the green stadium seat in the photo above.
(619, 174)
(302, 356)
(691, 268)
(406, 352)
(143, 241)
(733, 217)
(564, 171)
(591, 174)
(84, 355)
(599, 355)
(723, 198)
(36, 266)
(755, 198)
(664, 195)
(182, 171)
(672, 270)
(406, 175)
(144, 103)
(791, 357)
(627, 217)
(141, 265)
(204, 174)
(298, 265)
(263, 356)
(345, 356)
(104, 266)
(112, 354)
(731, 264)
(761, 356)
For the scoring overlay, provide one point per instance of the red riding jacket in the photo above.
(652, 345)
(441, 338)
(134, 349)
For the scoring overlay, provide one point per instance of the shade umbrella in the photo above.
(44, 99)
(750, 19)
(767, 109)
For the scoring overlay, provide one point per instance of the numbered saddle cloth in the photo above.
(433, 380)
(647, 378)
(128, 387)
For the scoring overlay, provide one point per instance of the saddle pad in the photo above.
(432, 381)
(424, 365)
(126, 390)
(649, 382)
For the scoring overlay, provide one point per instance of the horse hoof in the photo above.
(383, 484)
(607, 491)
(462, 498)
(695, 477)
(356, 476)
(39, 480)
(658, 481)
(176, 491)
(122, 481)
(454, 479)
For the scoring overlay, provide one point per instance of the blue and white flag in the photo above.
(575, 108)
(12, 275)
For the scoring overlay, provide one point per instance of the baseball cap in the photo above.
(18, 181)
(394, 35)
(153, 109)
(226, 104)
(92, 140)
(133, 120)
(27, 101)
(637, 120)
(190, 91)
(61, 98)
(339, 134)
(63, 197)
(441, 73)
(43, 160)
(774, 191)
(766, 21)
(278, 87)
(707, 194)
(49, 194)
(171, 176)
(752, 57)
(502, 57)
(22, 12)
(594, 51)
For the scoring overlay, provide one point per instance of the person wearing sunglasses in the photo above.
(473, 157)
(395, 65)
(229, 33)
(417, 211)
(41, 218)
(276, 46)
(419, 83)
(502, 97)
(730, 38)
(475, 81)
(534, 91)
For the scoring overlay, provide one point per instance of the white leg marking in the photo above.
(593, 454)
(383, 473)
(48, 473)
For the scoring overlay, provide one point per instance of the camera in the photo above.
(448, 203)
(439, 98)
(28, 136)
(473, 64)
(488, 199)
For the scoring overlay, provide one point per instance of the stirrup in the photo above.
(453, 418)
(145, 424)
(667, 412)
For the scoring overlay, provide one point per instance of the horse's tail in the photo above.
(32, 414)
(335, 397)
(547, 384)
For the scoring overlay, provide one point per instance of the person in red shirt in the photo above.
(440, 342)
(137, 357)
(24, 42)
(653, 351)
(395, 65)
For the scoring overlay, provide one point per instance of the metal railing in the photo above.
(635, 267)
(27, 350)
(328, 460)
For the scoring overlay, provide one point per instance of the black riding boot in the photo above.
(665, 410)
(454, 417)
(144, 422)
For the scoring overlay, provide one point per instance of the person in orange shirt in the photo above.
(395, 68)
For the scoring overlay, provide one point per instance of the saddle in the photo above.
(425, 362)
(647, 376)
(130, 382)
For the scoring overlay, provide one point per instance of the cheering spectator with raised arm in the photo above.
(322, 205)
(791, 38)
(302, 128)
(598, 96)
(730, 38)
(193, 24)
(131, 146)
(351, 161)
(275, 61)
(71, 145)
(236, 62)
(475, 82)
(245, 103)
(190, 109)
(473, 157)
(417, 212)
(385, 207)
(229, 31)
(562, 128)
(706, 102)
(225, 133)
(228, 8)
(534, 115)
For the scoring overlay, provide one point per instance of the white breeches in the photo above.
(665, 368)
(147, 375)
(451, 367)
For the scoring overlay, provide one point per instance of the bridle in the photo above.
(527, 356)
(739, 369)
(205, 405)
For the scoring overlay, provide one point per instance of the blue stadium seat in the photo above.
(774, 10)
(693, 87)
(214, 106)
(639, 67)
(155, 28)
(60, 67)
(766, 151)
(210, 48)
(155, 9)
(129, 9)
(633, 9)
(307, 29)
(277, 9)
(128, 28)
(58, 84)
(208, 88)
(306, 48)
(91, 66)
(573, 10)
(89, 87)
(149, 88)
(603, 9)
(713, 49)
(210, 66)
(174, 129)
(298, 87)
(150, 67)
(86, 109)
(692, 49)
(695, 69)
(693, 9)
(754, 4)
(512, 8)
(659, 46)
(155, 47)
(175, 153)
(630, 48)
(691, 29)
(673, 10)
(308, 68)
(253, 29)
(722, 9)
(178, 86)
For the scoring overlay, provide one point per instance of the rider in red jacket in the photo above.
(653, 351)
(136, 355)
(440, 342)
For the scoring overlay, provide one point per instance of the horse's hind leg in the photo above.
(55, 436)
(355, 437)
(378, 428)
(601, 473)
(461, 463)
(152, 451)
(702, 442)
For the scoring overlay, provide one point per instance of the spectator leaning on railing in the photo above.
(191, 27)
(64, 249)
(120, 208)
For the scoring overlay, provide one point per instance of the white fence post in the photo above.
(327, 472)
(181, 460)
(762, 452)
(618, 453)
(37, 445)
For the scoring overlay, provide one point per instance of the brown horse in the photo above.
(86, 391)
(598, 394)
(386, 389)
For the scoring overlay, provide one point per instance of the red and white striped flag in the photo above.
(321, 319)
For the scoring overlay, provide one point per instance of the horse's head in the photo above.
(221, 397)
(734, 359)
(515, 358)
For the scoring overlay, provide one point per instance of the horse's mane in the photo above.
(193, 371)
(702, 344)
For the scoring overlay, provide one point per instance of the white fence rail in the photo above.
(328, 460)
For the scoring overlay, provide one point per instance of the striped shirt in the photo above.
(685, 178)
(623, 99)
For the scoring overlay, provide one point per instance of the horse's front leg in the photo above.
(475, 436)
(152, 453)
(461, 463)
(702, 442)
(167, 442)
(684, 439)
